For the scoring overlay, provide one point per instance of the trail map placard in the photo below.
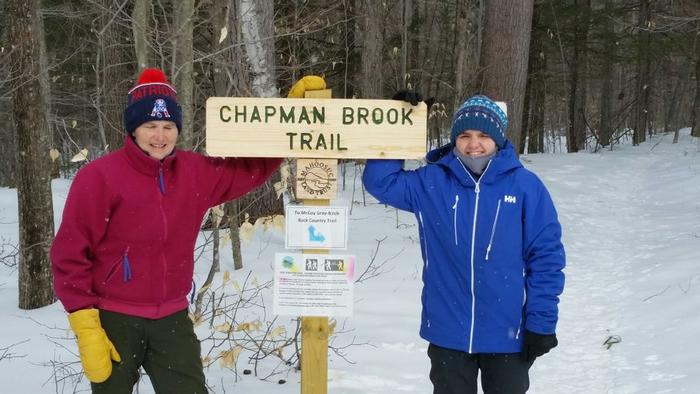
(313, 284)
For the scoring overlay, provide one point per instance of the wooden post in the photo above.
(314, 330)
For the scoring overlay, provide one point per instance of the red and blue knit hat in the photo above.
(483, 114)
(153, 98)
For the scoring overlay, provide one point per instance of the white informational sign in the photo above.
(310, 227)
(314, 284)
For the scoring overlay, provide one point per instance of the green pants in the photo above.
(167, 348)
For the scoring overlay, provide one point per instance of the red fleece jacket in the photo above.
(126, 240)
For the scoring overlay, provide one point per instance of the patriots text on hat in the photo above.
(152, 89)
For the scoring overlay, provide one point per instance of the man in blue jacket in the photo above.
(492, 253)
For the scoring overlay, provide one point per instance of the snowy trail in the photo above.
(597, 257)
(611, 237)
(631, 221)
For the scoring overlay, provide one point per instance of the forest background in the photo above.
(576, 75)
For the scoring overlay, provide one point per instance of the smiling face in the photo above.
(475, 143)
(156, 137)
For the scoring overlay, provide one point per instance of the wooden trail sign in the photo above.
(315, 128)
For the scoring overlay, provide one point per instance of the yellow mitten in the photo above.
(309, 82)
(96, 350)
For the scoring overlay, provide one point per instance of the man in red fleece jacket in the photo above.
(123, 256)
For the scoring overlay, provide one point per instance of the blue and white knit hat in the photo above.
(153, 98)
(483, 114)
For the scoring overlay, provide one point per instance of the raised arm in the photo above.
(389, 183)
(233, 177)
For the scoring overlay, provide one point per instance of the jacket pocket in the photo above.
(123, 263)
(493, 229)
(454, 217)
(426, 261)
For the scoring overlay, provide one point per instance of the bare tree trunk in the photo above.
(695, 131)
(25, 31)
(672, 106)
(641, 122)
(576, 138)
(422, 45)
(256, 17)
(219, 13)
(113, 73)
(140, 20)
(525, 124)
(460, 52)
(442, 68)
(371, 17)
(535, 92)
(233, 213)
(257, 33)
(605, 130)
(424, 40)
(537, 123)
(230, 78)
(8, 150)
(8, 147)
(406, 16)
(230, 75)
(349, 43)
(182, 74)
(533, 114)
(504, 56)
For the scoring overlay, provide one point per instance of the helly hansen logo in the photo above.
(509, 199)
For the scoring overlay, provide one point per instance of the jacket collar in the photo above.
(504, 161)
(143, 163)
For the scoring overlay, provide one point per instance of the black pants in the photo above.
(167, 348)
(455, 372)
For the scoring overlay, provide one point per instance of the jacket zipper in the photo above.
(493, 229)
(476, 211)
(454, 208)
(161, 186)
(477, 190)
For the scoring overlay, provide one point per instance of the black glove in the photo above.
(413, 97)
(536, 345)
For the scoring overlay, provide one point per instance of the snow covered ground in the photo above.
(631, 220)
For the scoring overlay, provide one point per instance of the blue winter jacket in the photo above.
(491, 247)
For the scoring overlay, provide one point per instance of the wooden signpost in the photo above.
(317, 130)
(314, 329)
